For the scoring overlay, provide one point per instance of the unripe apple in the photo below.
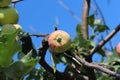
(5, 3)
(59, 41)
(118, 49)
(8, 15)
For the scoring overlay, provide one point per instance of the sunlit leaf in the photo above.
(101, 28)
(9, 44)
(54, 60)
(20, 68)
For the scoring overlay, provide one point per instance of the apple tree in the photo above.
(76, 54)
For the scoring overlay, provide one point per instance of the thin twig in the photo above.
(70, 11)
(104, 22)
(105, 40)
(39, 35)
(15, 1)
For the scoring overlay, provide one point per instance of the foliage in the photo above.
(16, 42)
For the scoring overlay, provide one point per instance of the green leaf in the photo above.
(101, 28)
(9, 44)
(54, 60)
(101, 52)
(63, 59)
(19, 69)
(91, 20)
(79, 40)
(78, 30)
(92, 36)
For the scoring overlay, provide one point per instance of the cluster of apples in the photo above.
(8, 15)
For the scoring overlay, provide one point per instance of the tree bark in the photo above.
(85, 13)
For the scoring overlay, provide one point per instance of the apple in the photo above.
(8, 15)
(5, 3)
(59, 41)
(118, 49)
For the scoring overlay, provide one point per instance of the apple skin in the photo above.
(59, 41)
(4, 3)
(8, 15)
(118, 49)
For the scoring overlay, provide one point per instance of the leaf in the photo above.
(91, 20)
(92, 36)
(54, 60)
(63, 59)
(101, 52)
(101, 28)
(78, 30)
(79, 40)
(19, 69)
(9, 44)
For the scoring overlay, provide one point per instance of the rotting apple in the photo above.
(118, 49)
(4, 3)
(59, 41)
(8, 15)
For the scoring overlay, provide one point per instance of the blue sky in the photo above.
(39, 16)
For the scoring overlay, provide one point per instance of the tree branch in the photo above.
(85, 14)
(38, 35)
(78, 60)
(105, 40)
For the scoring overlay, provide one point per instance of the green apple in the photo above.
(59, 41)
(118, 49)
(5, 3)
(8, 15)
